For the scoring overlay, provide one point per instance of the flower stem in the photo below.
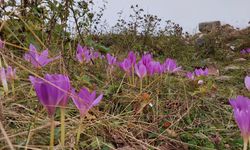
(141, 85)
(5, 86)
(52, 133)
(133, 75)
(62, 127)
(13, 87)
(245, 140)
(79, 132)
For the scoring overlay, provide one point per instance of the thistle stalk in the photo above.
(62, 127)
(52, 133)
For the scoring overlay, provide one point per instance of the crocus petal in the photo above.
(132, 57)
(190, 75)
(52, 92)
(4, 80)
(140, 70)
(241, 107)
(36, 59)
(247, 82)
(111, 60)
(11, 73)
(97, 100)
(126, 65)
(85, 100)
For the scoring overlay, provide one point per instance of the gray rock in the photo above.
(206, 27)
(224, 78)
(232, 67)
(240, 60)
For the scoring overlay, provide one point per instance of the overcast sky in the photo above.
(188, 13)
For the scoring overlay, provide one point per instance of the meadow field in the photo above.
(68, 81)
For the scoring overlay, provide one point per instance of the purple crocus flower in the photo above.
(190, 75)
(79, 53)
(140, 70)
(247, 82)
(126, 65)
(201, 72)
(96, 55)
(52, 91)
(154, 67)
(170, 66)
(245, 51)
(87, 56)
(83, 54)
(158, 67)
(37, 60)
(146, 59)
(150, 68)
(85, 100)
(11, 73)
(1, 44)
(4, 79)
(241, 108)
(132, 57)
(111, 60)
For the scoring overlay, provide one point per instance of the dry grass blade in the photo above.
(6, 136)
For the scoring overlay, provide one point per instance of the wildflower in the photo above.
(111, 60)
(146, 59)
(247, 82)
(170, 66)
(4, 79)
(132, 57)
(52, 92)
(79, 53)
(241, 108)
(154, 67)
(83, 54)
(201, 72)
(190, 75)
(245, 51)
(37, 60)
(85, 100)
(126, 65)
(11, 73)
(140, 70)
(96, 55)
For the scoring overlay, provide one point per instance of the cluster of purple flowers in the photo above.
(84, 54)
(36, 59)
(146, 66)
(197, 73)
(245, 51)
(241, 108)
(112, 61)
(54, 90)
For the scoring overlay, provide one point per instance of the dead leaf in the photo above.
(171, 133)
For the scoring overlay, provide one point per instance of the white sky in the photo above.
(188, 13)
